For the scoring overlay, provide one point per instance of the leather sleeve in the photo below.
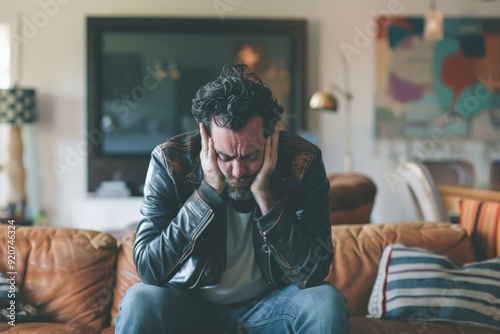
(167, 229)
(299, 235)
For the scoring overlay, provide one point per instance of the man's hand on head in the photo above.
(211, 172)
(261, 186)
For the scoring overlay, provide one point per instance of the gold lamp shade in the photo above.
(323, 100)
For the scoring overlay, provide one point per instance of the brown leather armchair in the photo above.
(352, 197)
(452, 172)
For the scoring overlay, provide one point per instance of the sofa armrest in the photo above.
(126, 273)
(66, 274)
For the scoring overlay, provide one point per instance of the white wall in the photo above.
(54, 62)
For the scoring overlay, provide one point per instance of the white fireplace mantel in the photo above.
(105, 213)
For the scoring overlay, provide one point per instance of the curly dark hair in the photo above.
(234, 98)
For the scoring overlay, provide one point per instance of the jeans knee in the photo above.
(169, 309)
(323, 310)
(334, 295)
(134, 309)
(329, 300)
(147, 296)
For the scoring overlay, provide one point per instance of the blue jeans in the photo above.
(172, 309)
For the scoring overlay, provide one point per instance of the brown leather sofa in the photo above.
(76, 278)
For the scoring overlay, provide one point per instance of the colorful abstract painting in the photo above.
(447, 88)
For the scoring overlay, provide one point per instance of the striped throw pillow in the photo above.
(424, 286)
(481, 220)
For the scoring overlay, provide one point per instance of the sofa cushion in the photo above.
(66, 274)
(420, 285)
(481, 220)
(358, 249)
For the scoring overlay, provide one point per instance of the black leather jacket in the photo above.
(181, 236)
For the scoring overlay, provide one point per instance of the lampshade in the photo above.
(323, 100)
(17, 106)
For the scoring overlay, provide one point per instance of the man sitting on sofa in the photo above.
(234, 232)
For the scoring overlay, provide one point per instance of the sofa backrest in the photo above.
(66, 274)
(358, 249)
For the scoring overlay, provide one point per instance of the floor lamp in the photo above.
(324, 100)
(17, 107)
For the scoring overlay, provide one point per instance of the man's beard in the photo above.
(239, 193)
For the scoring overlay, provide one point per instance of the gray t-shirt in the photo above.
(242, 279)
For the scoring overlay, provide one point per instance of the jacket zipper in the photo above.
(188, 253)
(278, 255)
(282, 259)
(266, 250)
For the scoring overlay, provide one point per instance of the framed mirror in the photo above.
(144, 72)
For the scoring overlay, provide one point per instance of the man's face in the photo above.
(239, 155)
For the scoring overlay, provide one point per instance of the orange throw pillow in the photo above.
(481, 220)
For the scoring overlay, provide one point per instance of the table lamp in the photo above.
(17, 107)
(324, 100)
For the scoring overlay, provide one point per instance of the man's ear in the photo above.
(267, 132)
(207, 126)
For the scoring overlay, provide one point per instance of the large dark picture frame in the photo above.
(143, 73)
